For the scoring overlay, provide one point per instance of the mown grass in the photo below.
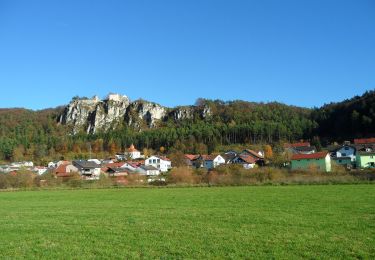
(330, 221)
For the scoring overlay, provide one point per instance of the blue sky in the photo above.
(304, 53)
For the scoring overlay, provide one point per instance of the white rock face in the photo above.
(181, 113)
(94, 114)
(147, 111)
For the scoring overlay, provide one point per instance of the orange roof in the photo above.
(191, 156)
(115, 165)
(364, 141)
(248, 159)
(132, 149)
(301, 144)
(61, 169)
(163, 158)
(319, 155)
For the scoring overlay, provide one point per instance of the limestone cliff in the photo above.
(94, 115)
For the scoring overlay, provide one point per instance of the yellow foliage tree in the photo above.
(268, 153)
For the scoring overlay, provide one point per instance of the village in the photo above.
(302, 156)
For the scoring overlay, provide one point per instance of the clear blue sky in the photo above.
(302, 52)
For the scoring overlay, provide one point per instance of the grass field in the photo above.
(332, 221)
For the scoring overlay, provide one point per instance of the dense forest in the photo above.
(36, 135)
(354, 117)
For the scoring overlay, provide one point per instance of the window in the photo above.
(158, 160)
(343, 154)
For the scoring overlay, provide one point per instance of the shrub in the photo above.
(183, 175)
(136, 179)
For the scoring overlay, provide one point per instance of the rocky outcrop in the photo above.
(146, 112)
(93, 115)
(182, 113)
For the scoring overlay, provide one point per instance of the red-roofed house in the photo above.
(317, 161)
(364, 141)
(65, 170)
(247, 161)
(257, 155)
(189, 159)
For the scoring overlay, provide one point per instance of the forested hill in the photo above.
(110, 126)
(350, 118)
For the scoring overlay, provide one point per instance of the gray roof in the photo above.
(80, 164)
(149, 168)
(305, 148)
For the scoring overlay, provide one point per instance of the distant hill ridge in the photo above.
(117, 119)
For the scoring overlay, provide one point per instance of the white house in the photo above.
(346, 151)
(22, 164)
(133, 153)
(148, 170)
(94, 160)
(159, 162)
(40, 170)
(212, 161)
(52, 165)
(88, 170)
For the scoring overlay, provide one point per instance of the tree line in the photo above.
(35, 135)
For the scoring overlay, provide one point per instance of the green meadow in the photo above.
(327, 221)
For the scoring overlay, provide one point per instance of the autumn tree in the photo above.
(268, 153)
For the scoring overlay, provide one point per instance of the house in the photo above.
(345, 155)
(189, 159)
(148, 170)
(120, 157)
(247, 161)
(365, 144)
(65, 170)
(231, 152)
(257, 155)
(364, 141)
(116, 172)
(112, 165)
(159, 162)
(300, 148)
(365, 160)
(320, 161)
(133, 153)
(95, 161)
(52, 165)
(40, 170)
(88, 170)
(131, 166)
(212, 161)
(22, 164)
(229, 157)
